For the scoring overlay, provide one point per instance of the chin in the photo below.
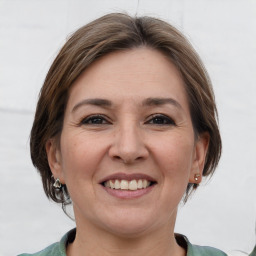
(128, 231)
(129, 224)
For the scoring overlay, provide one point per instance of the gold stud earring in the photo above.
(196, 177)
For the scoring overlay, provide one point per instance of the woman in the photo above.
(125, 127)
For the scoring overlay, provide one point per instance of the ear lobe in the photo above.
(201, 148)
(54, 158)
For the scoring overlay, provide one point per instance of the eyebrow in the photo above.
(147, 102)
(161, 101)
(96, 102)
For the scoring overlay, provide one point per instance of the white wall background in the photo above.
(222, 213)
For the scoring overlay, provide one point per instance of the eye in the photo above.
(94, 120)
(159, 119)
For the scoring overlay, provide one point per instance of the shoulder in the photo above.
(204, 250)
(196, 250)
(53, 250)
(253, 253)
(56, 249)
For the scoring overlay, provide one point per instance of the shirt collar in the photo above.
(70, 237)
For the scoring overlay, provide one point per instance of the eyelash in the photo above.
(102, 120)
(88, 120)
(165, 119)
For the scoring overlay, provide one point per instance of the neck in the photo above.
(92, 241)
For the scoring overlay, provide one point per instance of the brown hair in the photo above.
(107, 34)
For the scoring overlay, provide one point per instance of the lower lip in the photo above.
(128, 194)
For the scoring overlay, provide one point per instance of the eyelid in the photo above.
(85, 120)
(167, 120)
(163, 116)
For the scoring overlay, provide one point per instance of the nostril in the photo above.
(126, 160)
(131, 160)
(129, 152)
(117, 157)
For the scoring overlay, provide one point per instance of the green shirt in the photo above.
(59, 248)
(253, 253)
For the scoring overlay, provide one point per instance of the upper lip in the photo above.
(129, 177)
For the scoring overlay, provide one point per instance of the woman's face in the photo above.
(127, 148)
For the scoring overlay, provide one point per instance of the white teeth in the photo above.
(107, 184)
(112, 185)
(124, 184)
(144, 183)
(117, 184)
(140, 184)
(127, 185)
(133, 185)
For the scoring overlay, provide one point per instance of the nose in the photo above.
(128, 145)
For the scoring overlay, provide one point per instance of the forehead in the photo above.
(131, 74)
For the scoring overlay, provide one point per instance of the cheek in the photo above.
(174, 156)
(79, 156)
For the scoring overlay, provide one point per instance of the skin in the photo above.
(129, 137)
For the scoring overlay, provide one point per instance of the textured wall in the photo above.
(221, 213)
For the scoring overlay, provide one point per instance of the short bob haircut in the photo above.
(110, 33)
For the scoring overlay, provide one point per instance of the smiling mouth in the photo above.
(128, 185)
(128, 182)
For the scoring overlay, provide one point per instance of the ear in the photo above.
(54, 159)
(200, 151)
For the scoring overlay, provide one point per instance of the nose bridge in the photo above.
(128, 135)
(129, 144)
